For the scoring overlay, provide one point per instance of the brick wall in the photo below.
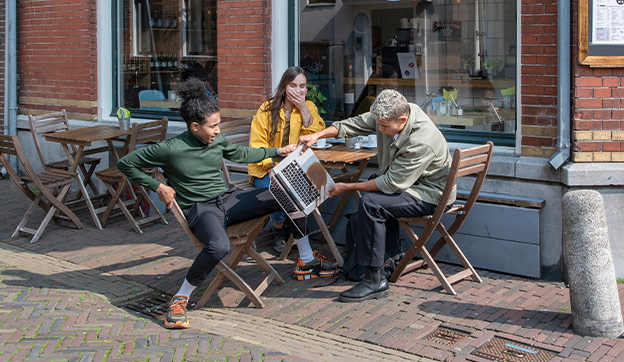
(57, 65)
(244, 56)
(2, 39)
(597, 108)
(539, 77)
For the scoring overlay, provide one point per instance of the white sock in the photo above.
(186, 289)
(305, 251)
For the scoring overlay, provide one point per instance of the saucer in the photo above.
(327, 145)
(335, 140)
(369, 145)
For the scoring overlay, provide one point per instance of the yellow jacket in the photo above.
(261, 129)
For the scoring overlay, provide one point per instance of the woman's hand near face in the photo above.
(296, 98)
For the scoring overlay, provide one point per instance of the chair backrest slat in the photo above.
(150, 132)
(479, 170)
(472, 160)
(7, 146)
(47, 123)
(236, 132)
(470, 170)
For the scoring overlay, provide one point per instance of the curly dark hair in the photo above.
(197, 105)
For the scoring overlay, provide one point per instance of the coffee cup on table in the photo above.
(321, 143)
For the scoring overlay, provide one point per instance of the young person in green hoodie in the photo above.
(192, 163)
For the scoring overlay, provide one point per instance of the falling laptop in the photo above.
(300, 183)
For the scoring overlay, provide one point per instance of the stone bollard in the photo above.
(587, 254)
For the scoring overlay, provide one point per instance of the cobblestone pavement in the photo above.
(61, 295)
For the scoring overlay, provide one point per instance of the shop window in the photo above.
(159, 45)
(454, 58)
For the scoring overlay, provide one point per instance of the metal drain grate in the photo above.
(153, 306)
(499, 349)
(445, 336)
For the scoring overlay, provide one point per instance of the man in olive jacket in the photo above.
(414, 163)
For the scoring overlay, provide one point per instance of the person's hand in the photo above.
(297, 98)
(338, 189)
(307, 141)
(287, 150)
(166, 194)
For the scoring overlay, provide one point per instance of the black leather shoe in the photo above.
(374, 285)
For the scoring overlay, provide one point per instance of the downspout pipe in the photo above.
(563, 85)
(10, 72)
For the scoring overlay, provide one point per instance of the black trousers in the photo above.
(209, 219)
(375, 228)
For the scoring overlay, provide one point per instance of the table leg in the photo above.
(74, 162)
(327, 235)
(345, 198)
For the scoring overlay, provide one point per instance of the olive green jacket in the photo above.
(418, 161)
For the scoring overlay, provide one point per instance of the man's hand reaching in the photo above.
(287, 150)
(307, 141)
(166, 194)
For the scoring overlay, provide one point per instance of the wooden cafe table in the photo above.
(84, 137)
(351, 163)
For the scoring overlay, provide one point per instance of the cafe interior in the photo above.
(454, 58)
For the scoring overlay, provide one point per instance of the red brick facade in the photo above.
(597, 108)
(57, 68)
(539, 77)
(57, 62)
(244, 55)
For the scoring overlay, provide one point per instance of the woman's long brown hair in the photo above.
(275, 103)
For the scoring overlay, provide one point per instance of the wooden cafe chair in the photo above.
(242, 236)
(116, 182)
(44, 182)
(56, 122)
(469, 162)
(236, 132)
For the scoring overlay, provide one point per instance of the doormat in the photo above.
(446, 336)
(152, 306)
(500, 349)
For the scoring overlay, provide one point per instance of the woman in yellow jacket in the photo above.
(280, 120)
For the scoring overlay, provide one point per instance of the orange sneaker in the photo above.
(176, 315)
(317, 268)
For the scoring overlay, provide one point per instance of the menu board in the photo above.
(601, 33)
(608, 22)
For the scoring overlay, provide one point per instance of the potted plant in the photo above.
(315, 96)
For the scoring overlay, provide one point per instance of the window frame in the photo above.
(512, 140)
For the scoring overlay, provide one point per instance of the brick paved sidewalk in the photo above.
(49, 314)
(416, 320)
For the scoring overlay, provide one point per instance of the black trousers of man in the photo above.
(209, 219)
(376, 225)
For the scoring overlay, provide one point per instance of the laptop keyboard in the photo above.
(300, 183)
(282, 198)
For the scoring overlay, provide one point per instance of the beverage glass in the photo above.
(507, 101)
(372, 140)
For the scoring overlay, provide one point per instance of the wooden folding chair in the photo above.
(142, 133)
(242, 236)
(236, 132)
(44, 182)
(56, 122)
(470, 162)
